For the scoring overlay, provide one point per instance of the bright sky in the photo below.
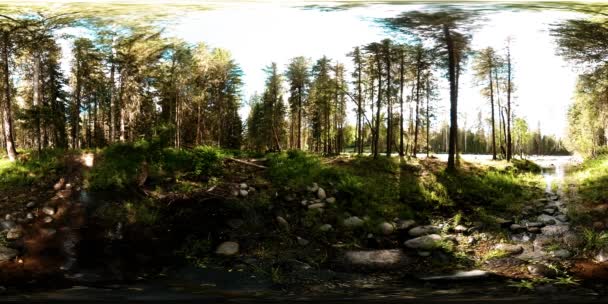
(260, 33)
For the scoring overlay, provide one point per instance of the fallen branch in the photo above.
(246, 163)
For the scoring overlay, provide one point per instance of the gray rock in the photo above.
(325, 227)
(30, 205)
(313, 188)
(283, 223)
(330, 200)
(235, 192)
(561, 253)
(471, 240)
(304, 202)
(423, 230)
(386, 228)
(460, 229)
(601, 256)
(517, 227)
(316, 206)
(7, 224)
(542, 239)
(534, 230)
(47, 219)
(353, 221)
(302, 242)
(509, 248)
(425, 242)
(546, 219)
(571, 239)
(48, 210)
(243, 186)
(321, 194)
(376, 259)
(235, 223)
(14, 234)
(243, 192)
(460, 275)
(7, 254)
(562, 217)
(555, 230)
(405, 224)
(534, 224)
(424, 253)
(8, 217)
(549, 211)
(48, 232)
(29, 216)
(542, 270)
(227, 248)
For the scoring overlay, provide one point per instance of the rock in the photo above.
(386, 228)
(424, 243)
(424, 253)
(598, 225)
(603, 208)
(304, 202)
(29, 216)
(283, 223)
(243, 186)
(353, 221)
(542, 270)
(460, 275)
(235, 223)
(534, 224)
(48, 210)
(316, 206)
(541, 240)
(561, 253)
(14, 234)
(47, 232)
(405, 224)
(534, 230)
(471, 240)
(546, 219)
(321, 193)
(601, 256)
(7, 254)
(59, 184)
(571, 239)
(549, 211)
(47, 219)
(555, 230)
(302, 242)
(313, 188)
(517, 228)
(460, 229)
(7, 224)
(243, 192)
(504, 222)
(510, 249)
(554, 197)
(423, 230)
(375, 259)
(227, 248)
(325, 227)
(562, 217)
(330, 200)
(30, 205)
(235, 192)
(7, 217)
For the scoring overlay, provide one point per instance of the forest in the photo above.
(129, 147)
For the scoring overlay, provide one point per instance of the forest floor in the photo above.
(292, 224)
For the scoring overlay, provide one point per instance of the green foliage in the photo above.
(594, 240)
(294, 169)
(145, 212)
(524, 165)
(36, 167)
(196, 250)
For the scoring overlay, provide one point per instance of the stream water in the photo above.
(197, 284)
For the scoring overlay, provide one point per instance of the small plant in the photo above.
(495, 254)
(594, 240)
(523, 284)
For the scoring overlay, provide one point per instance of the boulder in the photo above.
(534, 224)
(546, 219)
(235, 223)
(316, 206)
(302, 242)
(510, 249)
(47, 219)
(243, 192)
(386, 228)
(542, 270)
(405, 224)
(423, 254)
(30, 205)
(375, 259)
(283, 223)
(424, 243)
(549, 211)
(330, 200)
(572, 239)
(601, 256)
(562, 217)
(353, 221)
(7, 254)
(304, 202)
(460, 275)
(227, 248)
(321, 194)
(534, 230)
(460, 229)
(325, 227)
(14, 234)
(561, 254)
(313, 188)
(517, 228)
(7, 224)
(243, 186)
(555, 230)
(48, 210)
(423, 230)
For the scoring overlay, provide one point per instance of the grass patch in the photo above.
(31, 168)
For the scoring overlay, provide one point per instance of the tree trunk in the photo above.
(7, 119)
(378, 106)
(416, 122)
(453, 99)
(389, 106)
(401, 83)
(428, 116)
(299, 118)
(36, 100)
(493, 121)
(509, 143)
(112, 97)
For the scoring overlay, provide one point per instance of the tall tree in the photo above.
(484, 66)
(298, 76)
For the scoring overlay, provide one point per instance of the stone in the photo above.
(243, 192)
(7, 254)
(243, 186)
(227, 248)
(424, 243)
(571, 239)
(423, 230)
(386, 228)
(235, 192)
(321, 194)
(603, 208)
(510, 249)
(562, 217)
(316, 206)
(325, 227)
(47, 219)
(14, 234)
(7, 217)
(375, 259)
(534, 230)
(561, 253)
(541, 270)
(313, 188)
(304, 202)
(471, 240)
(549, 211)
(47, 232)
(30, 205)
(59, 184)
(235, 223)
(48, 210)
(302, 242)
(7, 224)
(598, 225)
(534, 224)
(541, 240)
(353, 221)
(29, 216)
(283, 223)
(460, 229)
(424, 253)
(405, 224)
(546, 219)
(460, 275)
(517, 228)
(601, 256)
(554, 197)
(330, 200)
(555, 230)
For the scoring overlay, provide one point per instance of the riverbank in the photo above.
(290, 224)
